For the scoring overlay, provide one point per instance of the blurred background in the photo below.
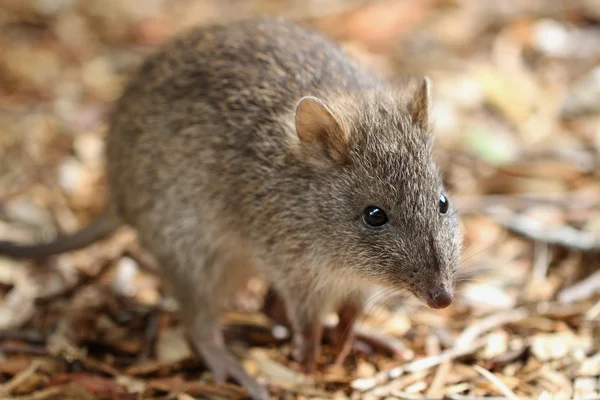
(516, 110)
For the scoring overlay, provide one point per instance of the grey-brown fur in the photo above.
(205, 162)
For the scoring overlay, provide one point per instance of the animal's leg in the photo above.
(224, 365)
(200, 289)
(344, 334)
(307, 338)
(307, 345)
(274, 308)
(301, 309)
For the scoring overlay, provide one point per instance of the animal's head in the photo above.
(381, 207)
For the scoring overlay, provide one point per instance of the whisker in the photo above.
(487, 248)
(374, 299)
(379, 294)
(389, 294)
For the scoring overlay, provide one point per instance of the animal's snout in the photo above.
(439, 297)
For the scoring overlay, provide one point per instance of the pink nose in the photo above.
(439, 297)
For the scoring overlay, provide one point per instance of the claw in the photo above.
(307, 347)
(223, 365)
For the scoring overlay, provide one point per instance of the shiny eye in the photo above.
(444, 204)
(374, 217)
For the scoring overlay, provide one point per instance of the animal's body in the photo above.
(259, 147)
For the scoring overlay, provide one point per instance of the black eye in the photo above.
(444, 204)
(374, 217)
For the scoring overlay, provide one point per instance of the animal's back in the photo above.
(249, 68)
(208, 104)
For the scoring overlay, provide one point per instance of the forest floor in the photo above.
(516, 108)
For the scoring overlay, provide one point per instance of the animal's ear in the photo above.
(419, 106)
(318, 128)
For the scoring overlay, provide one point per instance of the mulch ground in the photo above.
(516, 90)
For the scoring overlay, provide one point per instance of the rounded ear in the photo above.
(419, 106)
(318, 127)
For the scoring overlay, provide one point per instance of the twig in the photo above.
(497, 382)
(593, 313)
(375, 339)
(398, 384)
(364, 384)
(473, 331)
(581, 290)
(510, 355)
(559, 310)
(302, 390)
(23, 348)
(461, 397)
(93, 365)
(561, 235)
(402, 395)
(82, 281)
(53, 392)
(440, 378)
(29, 336)
(21, 377)
(57, 392)
(541, 262)
(478, 204)
(467, 343)
(560, 380)
(184, 396)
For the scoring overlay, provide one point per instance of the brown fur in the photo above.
(205, 161)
